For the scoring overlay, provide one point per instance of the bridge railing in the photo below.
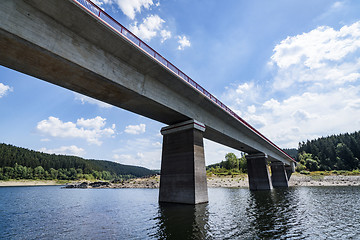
(120, 29)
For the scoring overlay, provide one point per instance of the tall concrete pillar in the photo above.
(258, 172)
(183, 172)
(279, 176)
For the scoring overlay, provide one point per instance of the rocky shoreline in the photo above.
(240, 181)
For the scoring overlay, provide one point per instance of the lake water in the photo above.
(295, 213)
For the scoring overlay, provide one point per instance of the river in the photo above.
(51, 212)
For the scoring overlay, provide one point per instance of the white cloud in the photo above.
(314, 92)
(321, 58)
(183, 42)
(131, 7)
(135, 129)
(86, 99)
(4, 89)
(94, 123)
(147, 153)
(65, 150)
(149, 28)
(89, 129)
(310, 115)
(315, 48)
(165, 35)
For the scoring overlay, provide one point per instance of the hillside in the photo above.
(24, 163)
(335, 152)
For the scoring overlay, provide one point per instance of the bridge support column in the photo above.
(279, 176)
(289, 170)
(258, 172)
(183, 172)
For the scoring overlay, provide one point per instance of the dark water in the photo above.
(294, 213)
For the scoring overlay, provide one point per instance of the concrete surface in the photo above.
(183, 173)
(258, 172)
(279, 176)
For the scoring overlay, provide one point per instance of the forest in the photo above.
(21, 163)
(335, 152)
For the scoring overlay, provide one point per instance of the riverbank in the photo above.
(20, 183)
(241, 181)
(236, 181)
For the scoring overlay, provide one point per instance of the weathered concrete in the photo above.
(183, 173)
(61, 43)
(289, 170)
(279, 176)
(258, 172)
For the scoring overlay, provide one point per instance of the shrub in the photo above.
(304, 172)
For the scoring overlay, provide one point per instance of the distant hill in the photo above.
(12, 156)
(292, 152)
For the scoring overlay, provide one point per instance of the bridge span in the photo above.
(76, 45)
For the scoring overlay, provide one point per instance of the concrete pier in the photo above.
(183, 172)
(279, 176)
(258, 172)
(289, 170)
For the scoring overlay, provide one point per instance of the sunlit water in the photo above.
(294, 213)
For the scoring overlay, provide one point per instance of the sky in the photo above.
(289, 68)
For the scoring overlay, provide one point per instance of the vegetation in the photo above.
(21, 163)
(336, 152)
(231, 166)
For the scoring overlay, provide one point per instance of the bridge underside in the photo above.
(59, 42)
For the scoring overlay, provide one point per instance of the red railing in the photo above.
(124, 32)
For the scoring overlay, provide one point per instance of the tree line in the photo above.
(230, 166)
(21, 163)
(335, 152)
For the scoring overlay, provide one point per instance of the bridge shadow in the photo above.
(179, 221)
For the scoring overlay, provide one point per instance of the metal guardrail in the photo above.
(121, 30)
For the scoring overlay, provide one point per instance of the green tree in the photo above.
(243, 164)
(39, 172)
(232, 162)
(345, 158)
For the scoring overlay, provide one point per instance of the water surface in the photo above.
(294, 213)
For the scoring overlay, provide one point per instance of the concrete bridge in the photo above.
(74, 44)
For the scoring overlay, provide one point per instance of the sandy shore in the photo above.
(19, 183)
(240, 181)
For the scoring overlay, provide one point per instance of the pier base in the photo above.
(279, 176)
(258, 172)
(183, 172)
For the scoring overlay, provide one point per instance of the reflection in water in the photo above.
(271, 213)
(179, 221)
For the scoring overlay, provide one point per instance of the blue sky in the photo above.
(290, 68)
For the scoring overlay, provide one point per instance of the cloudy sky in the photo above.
(290, 68)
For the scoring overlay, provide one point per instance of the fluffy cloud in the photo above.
(92, 130)
(86, 99)
(315, 89)
(131, 7)
(323, 57)
(135, 129)
(128, 7)
(4, 89)
(183, 42)
(150, 28)
(65, 150)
